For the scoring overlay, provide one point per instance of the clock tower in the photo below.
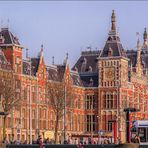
(113, 74)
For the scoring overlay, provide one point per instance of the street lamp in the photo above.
(128, 110)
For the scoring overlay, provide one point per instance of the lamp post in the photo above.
(127, 111)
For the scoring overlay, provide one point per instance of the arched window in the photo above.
(79, 103)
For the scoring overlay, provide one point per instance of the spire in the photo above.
(113, 21)
(131, 67)
(52, 60)
(145, 37)
(67, 55)
(66, 59)
(41, 52)
(8, 22)
(42, 47)
(113, 41)
(138, 64)
(27, 53)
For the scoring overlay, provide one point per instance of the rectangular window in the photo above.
(33, 94)
(109, 126)
(17, 84)
(40, 124)
(40, 113)
(90, 102)
(33, 123)
(44, 124)
(9, 122)
(109, 101)
(91, 123)
(23, 123)
(23, 113)
(33, 114)
(44, 114)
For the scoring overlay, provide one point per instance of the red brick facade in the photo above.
(103, 89)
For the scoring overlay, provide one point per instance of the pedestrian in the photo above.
(80, 145)
(5, 141)
(137, 139)
(40, 143)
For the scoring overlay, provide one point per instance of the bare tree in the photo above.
(59, 96)
(9, 98)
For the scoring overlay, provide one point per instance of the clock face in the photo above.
(109, 74)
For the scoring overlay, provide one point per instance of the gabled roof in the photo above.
(7, 37)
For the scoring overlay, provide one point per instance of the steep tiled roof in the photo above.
(55, 72)
(132, 55)
(34, 66)
(61, 71)
(7, 37)
(87, 62)
(26, 67)
(115, 47)
(89, 79)
(76, 78)
(52, 72)
(4, 64)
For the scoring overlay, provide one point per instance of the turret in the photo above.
(145, 38)
(113, 21)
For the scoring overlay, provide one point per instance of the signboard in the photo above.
(49, 134)
(141, 123)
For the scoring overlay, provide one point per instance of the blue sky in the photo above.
(63, 26)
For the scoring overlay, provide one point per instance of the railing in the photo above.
(128, 145)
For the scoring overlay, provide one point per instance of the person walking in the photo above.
(40, 143)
